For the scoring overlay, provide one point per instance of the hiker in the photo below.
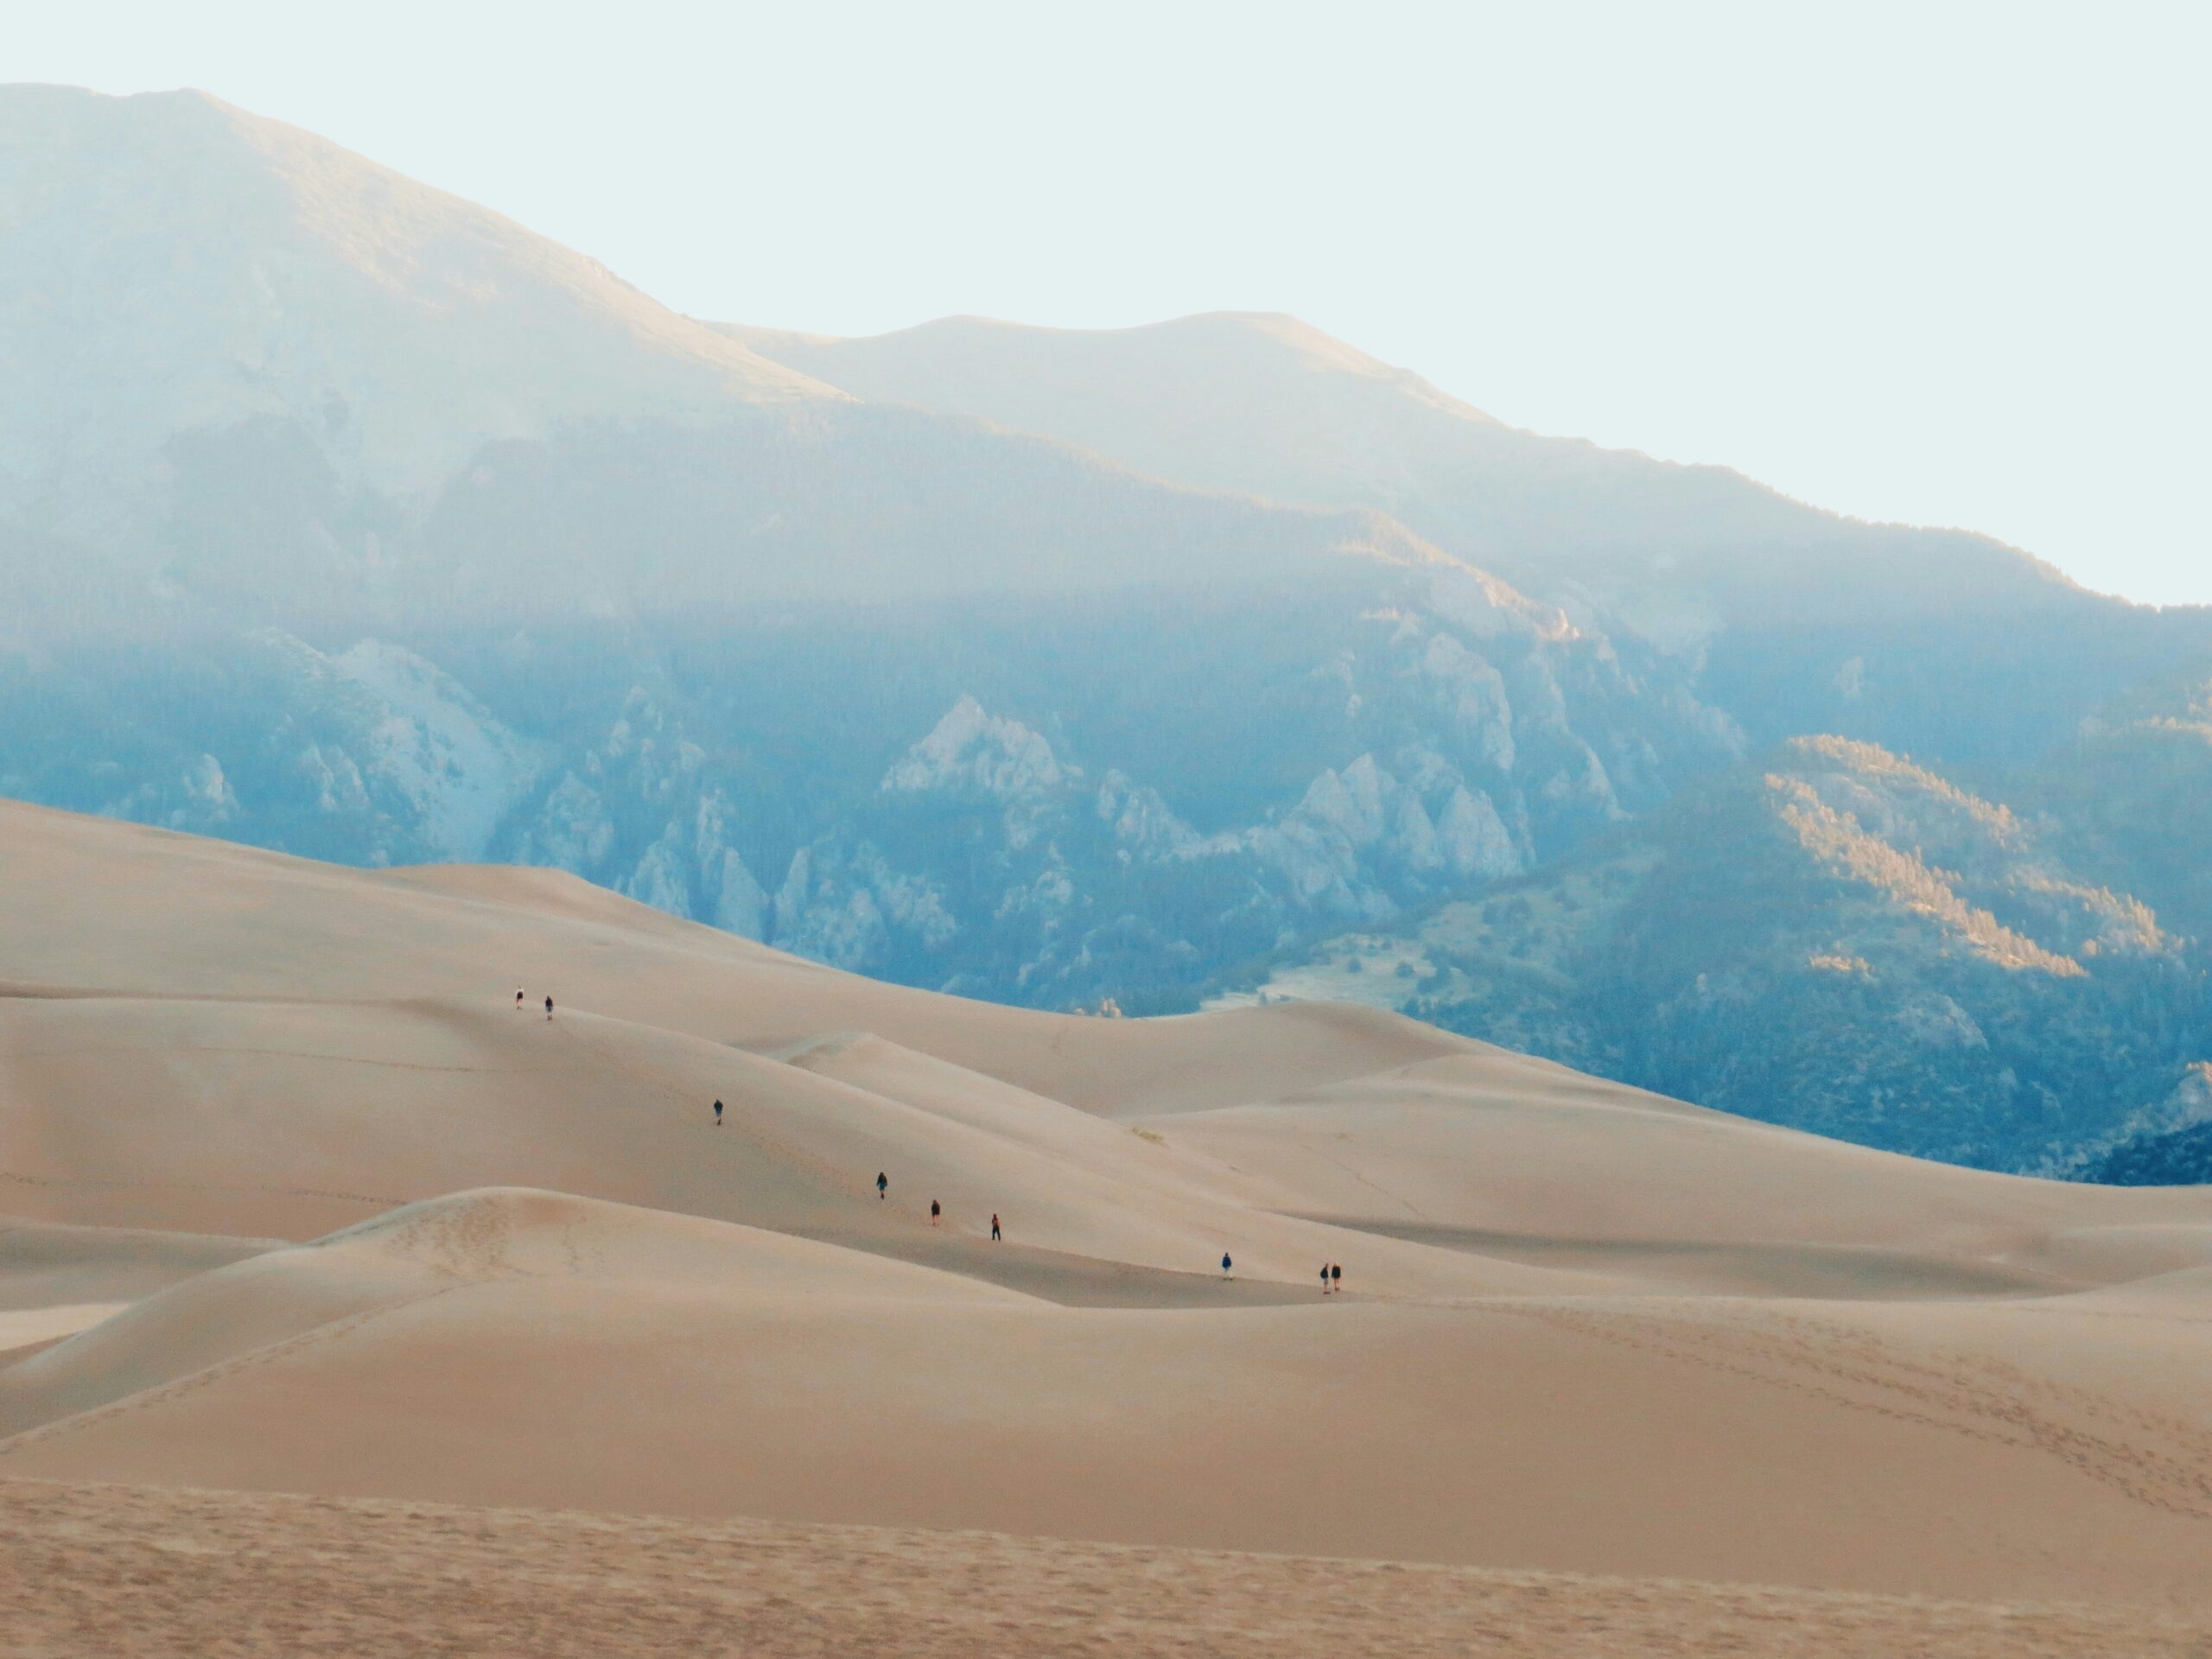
(1336, 1275)
(549, 1008)
(1225, 1264)
(518, 999)
(1324, 1278)
(718, 1114)
(994, 1226)
(934, 1212)
(882, 1184)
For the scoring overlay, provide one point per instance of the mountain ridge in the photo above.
(249, 217)
(1149, 396)
(1827, 936)
(384, 530)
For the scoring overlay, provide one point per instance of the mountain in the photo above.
(342, 518)
(1270, 406)
(1010, 799)
(1934, 640)
(2156, 1155)
(173, 265)
(2130, 788)
(249, 369)
(641, 604)
(2176, 1158)
(1830, 936)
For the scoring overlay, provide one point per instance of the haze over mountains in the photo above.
(1266, 405)
(344, 517)
(174, 265)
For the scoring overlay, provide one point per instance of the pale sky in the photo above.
(1945, 265)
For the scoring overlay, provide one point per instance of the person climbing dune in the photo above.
(994, 1226)
(549, 1008)
(518, 999)
(1324, 1278)
(934, 1212)
(882, 1184)
(1336, 1275)
(718, 1114)
(1225, 1264)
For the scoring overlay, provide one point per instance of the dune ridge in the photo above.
(302, 1203)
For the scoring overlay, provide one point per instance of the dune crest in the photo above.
(306, 1203)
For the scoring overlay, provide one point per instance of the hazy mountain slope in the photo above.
(169, 262)
(2130, 793)
(1212, 771)
(1937, 641)
(1235, 401)
(343, 518)
(653, 620)
(248, 367)
(1266, 403)
(1832, 939)
(677, 656)
(855, 506)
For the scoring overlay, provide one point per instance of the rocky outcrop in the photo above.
(1833, 938)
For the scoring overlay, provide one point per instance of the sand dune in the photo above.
(57, 1279)
(438, 1350)
(690, 1367)
(43, 1265)
(1586, 1330)
(349, 1110)
(238, 1314)
(122, 908)
(105, 1569)
(1515, 1157)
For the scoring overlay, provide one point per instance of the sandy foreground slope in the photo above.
(178, 1576)
(295, 1201)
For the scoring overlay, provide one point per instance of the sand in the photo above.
(110, 1569)
(296, 1202)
